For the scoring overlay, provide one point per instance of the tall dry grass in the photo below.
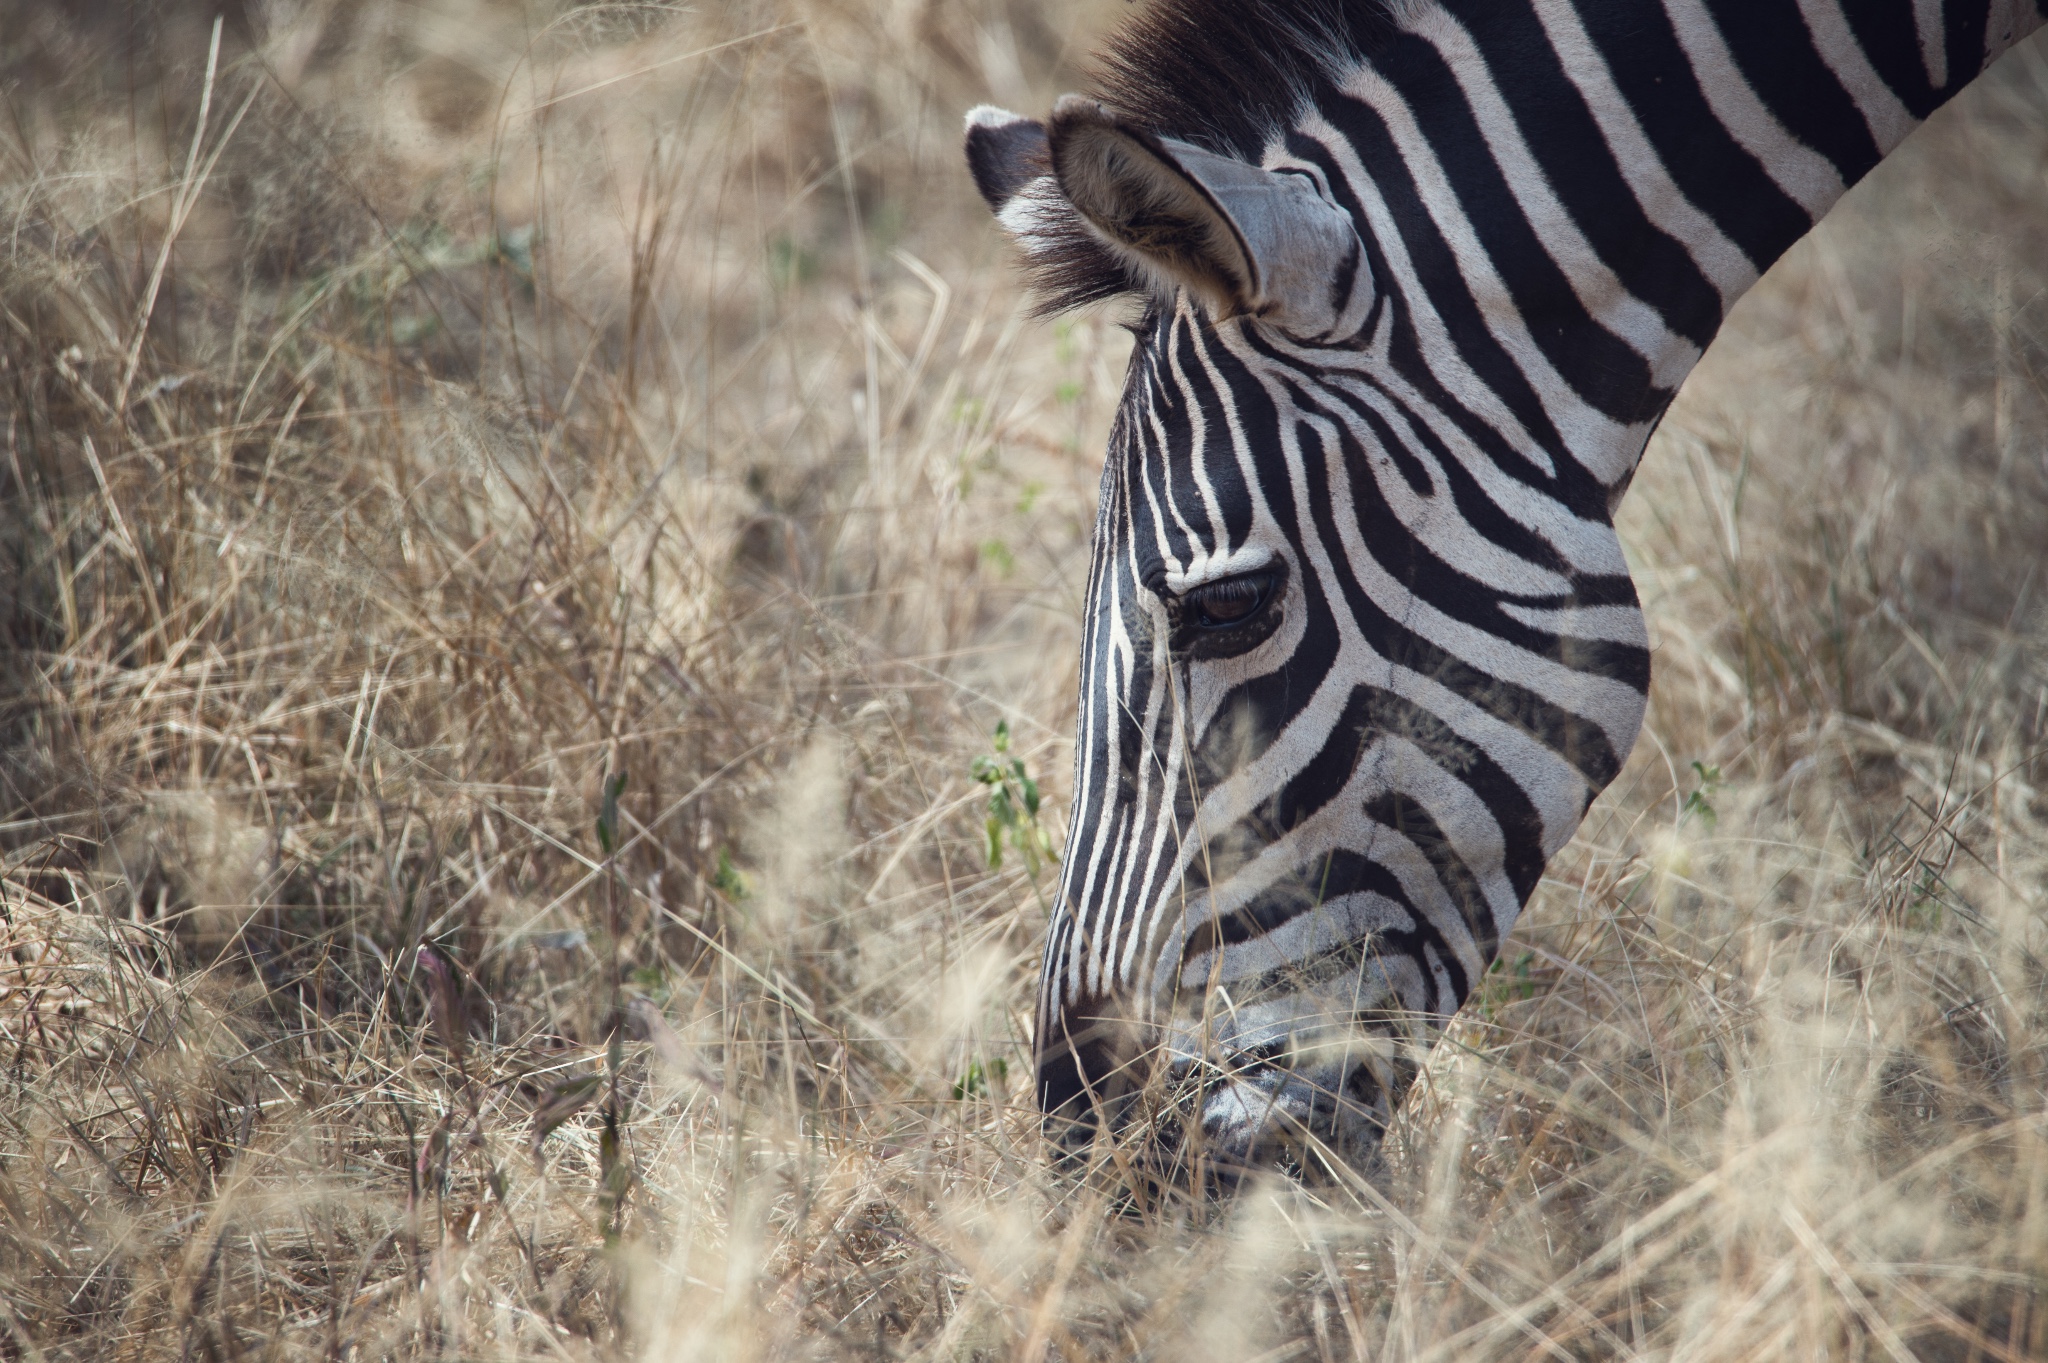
(518, 520)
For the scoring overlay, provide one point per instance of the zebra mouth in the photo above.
(1265, 1119)
(1259, 1109)
(1209, 1100)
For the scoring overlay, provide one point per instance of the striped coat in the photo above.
(1416, 281)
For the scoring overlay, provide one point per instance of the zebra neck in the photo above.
(1610, 176)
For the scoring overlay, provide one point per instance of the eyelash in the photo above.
(1255, 590)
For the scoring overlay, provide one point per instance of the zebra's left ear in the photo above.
(1242, 238)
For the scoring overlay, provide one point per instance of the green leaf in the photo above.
(976, 1080)
(726, 879)
(608, 814)
(1696, 803)
(1014, 804)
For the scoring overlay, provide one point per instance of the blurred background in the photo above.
(541, 551)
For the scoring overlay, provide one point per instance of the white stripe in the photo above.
(1882, 113)
(1167, 844)
(1338, 825)
(1436, 520)
(1612, 705)
(1438, 350)
(1342, 921)
(1109, 666)
(1593, 438)
(1588, 546)
(1602, 294)
(1465, 821)
(1161, 445)
(1933, 27)
(1803, 173)
(1118, 888)
(1616, 624)
(1198, 422)
(1725, 265)
(1119, 835)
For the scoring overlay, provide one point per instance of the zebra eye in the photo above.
(1234, 600)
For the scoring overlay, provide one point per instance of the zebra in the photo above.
(1417, 279)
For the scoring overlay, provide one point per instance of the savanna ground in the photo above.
(517, 522)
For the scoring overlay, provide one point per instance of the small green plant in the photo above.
(727, 879)
(789, 264)
(1925, 908)
(1508, 982)
(999, 557)
(976, 1081)
(608, 814)
(1012, 806)
(1697, 804)
(1064, 347)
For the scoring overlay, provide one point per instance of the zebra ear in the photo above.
(1242, 238)
(1012, 167)
(1005, 153)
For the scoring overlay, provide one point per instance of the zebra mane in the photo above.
(1223, 74)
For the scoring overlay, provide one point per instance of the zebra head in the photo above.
(1360, 645)
(1417, 278)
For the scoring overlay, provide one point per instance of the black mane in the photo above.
(1226, 74)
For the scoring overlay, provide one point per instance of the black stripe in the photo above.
(1473, 505)
(1405, 815)
(1152, 504)
(1433, 260)
(1890, 39)
(1566, 141)
(1704, 160)
(1969, 26)
(1219, 460)
(1775, 51)
(1602, 368)
(1520, 824)
(1415, 564)
(1579, 741)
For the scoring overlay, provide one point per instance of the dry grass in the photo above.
(440, 414)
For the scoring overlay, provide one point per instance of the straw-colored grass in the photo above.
(516, 522)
